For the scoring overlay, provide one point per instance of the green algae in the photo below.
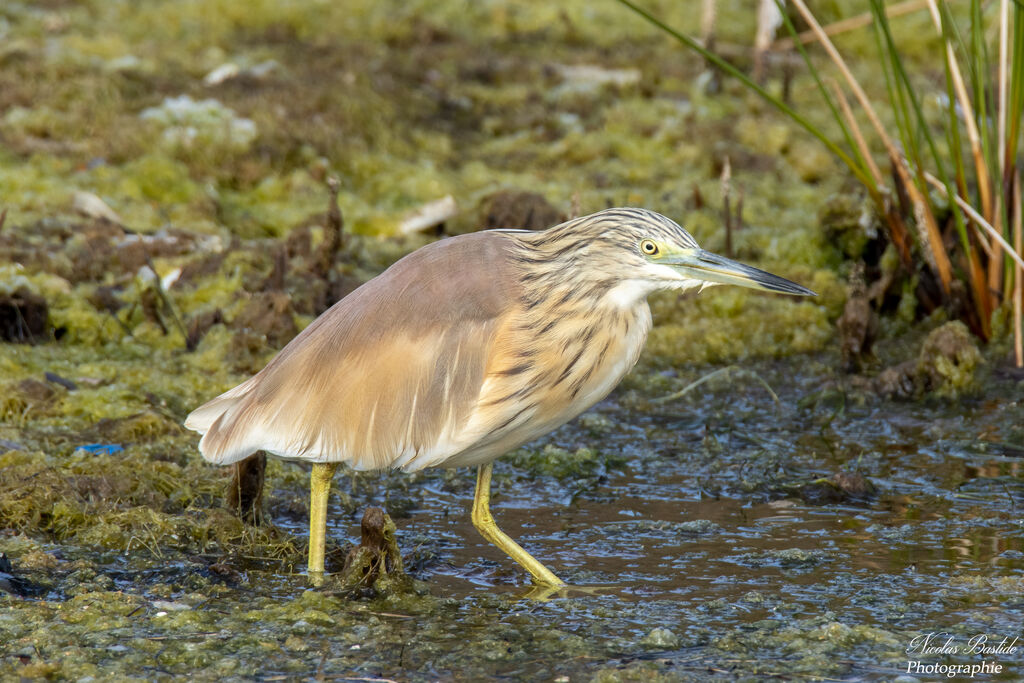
(552, 461)
(389, 165)
(729, 326)
(949, 360)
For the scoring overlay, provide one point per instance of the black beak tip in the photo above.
(784, 286)
(800, 290)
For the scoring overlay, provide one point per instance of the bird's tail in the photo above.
(219, 422)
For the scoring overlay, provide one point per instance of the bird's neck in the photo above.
(629, 294)
(555, 270)
(563, 295)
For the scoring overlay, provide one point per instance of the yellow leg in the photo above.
(319, 488)
(488, 528)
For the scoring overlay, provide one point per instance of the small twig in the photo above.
(275, 281)
(1009, 495)
(381, 614)
(182, 636)
(320, 667)
(1018, 284)
(858, 136)
(739, 208)
(155, 550)
(769, 18)
(850, 23)
(726, 208)
(328, 251)
(1004, 21)
(970, 123)
(3, 219)
(977, 218)
(709, 10)
(124, 326)
(159, 288)
(711, 375)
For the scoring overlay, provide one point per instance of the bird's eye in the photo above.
(649, 248)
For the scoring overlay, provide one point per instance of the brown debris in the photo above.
(299, 243)
(696, 198)
(268, 314)
(153, 308)
(321, 284)
(515, 209)
(245, 492)
(105, 298)
(201, 267)
(274, 282)
(376, 562)
(946, 366)
(24, 317)
(27, 396)
(34, 391)
(323, 260)
(225, 571)
(841, 487)
(854, 484)
(899, 381)
(102, 248)
(199, 325)
(858, 325)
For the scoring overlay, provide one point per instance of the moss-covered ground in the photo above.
(708, 536)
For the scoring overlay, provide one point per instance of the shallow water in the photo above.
(689, 552)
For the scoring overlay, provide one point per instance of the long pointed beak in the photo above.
(704, 265)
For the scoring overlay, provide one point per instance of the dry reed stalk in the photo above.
(933, 247)
(1018, 288)
(849, 24)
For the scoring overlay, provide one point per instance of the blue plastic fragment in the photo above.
(63, 381)
(100, 448)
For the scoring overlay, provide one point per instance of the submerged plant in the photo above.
(952, 207)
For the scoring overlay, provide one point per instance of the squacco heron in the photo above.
(462, 351)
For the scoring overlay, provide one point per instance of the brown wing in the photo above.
(388, 375)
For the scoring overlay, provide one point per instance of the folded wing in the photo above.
(388, 377)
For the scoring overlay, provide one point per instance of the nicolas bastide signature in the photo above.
(945, 644)
(941, 643)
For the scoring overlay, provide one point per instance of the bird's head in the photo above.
(644, 251)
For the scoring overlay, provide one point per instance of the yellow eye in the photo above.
(649, 248)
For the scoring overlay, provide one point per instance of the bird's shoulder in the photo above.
(458, 279)
(458, 288)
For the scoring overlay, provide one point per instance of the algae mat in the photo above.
(696, 541)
